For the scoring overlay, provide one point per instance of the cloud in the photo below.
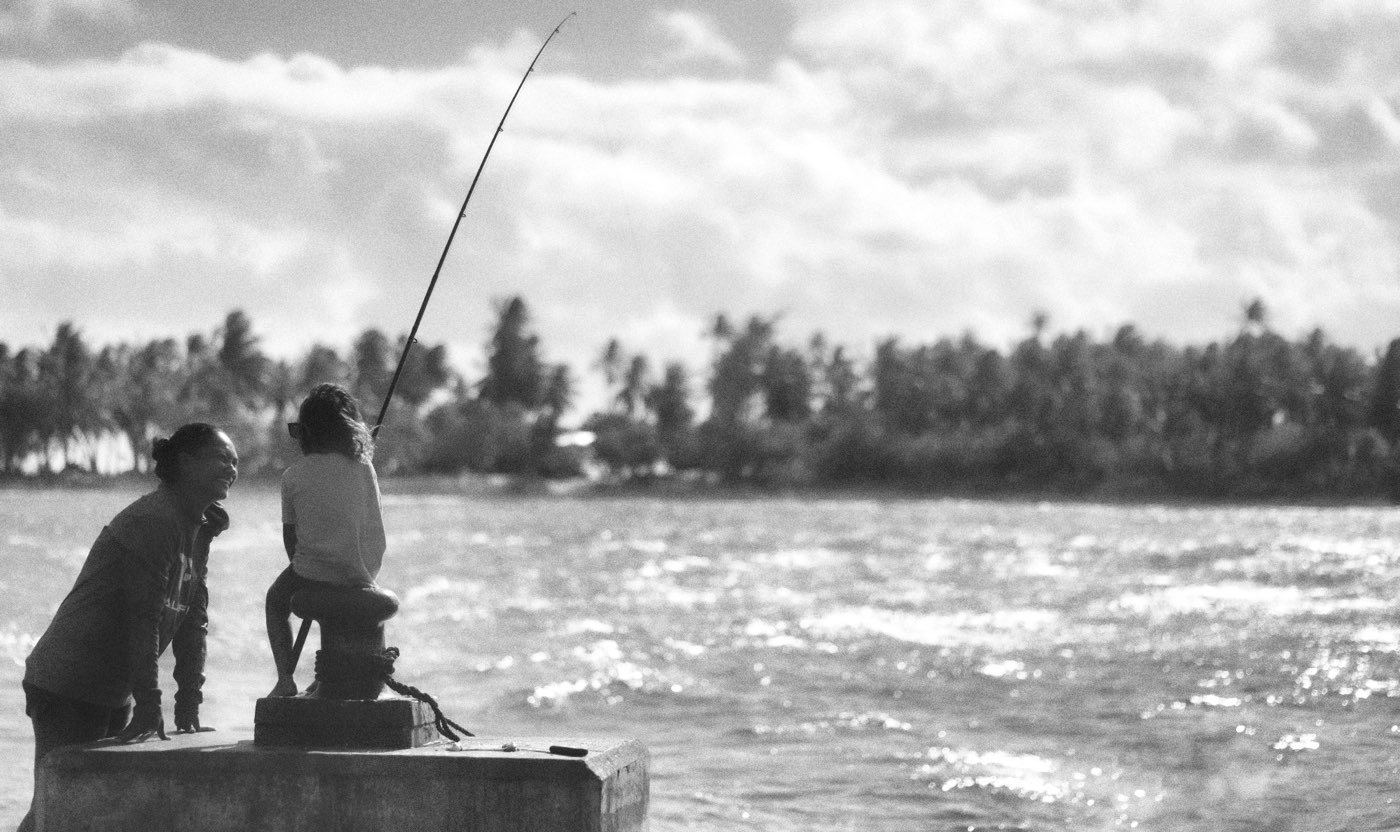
(695, 40)
(189, 181)
(1143, 128)
(906, 169)
(282, 179)
(39, 19)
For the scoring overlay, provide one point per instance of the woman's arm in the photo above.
(190, 642)
(289, 539)
(145, 577)
(189, 647)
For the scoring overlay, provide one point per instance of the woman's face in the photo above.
(211, 471)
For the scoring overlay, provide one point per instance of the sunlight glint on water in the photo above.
(856, 664)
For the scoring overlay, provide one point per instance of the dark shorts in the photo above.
(59, 720)
(279, 595)
(43, 704)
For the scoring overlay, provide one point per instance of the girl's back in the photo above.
(333, 501)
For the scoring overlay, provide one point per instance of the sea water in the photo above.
(851, 664)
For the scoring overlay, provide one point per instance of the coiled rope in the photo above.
(338, 665)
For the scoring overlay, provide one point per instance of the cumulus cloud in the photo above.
(907, 168)
(1210, 162)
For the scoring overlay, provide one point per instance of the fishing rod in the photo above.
(412, 333)
(427, 296)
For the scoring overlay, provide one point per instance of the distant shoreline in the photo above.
(1008, 494)
(500, 486)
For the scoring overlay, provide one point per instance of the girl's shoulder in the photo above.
(318, 463)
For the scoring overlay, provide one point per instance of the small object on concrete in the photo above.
(221, 782)
(350, 662)
(561, 750)
(312, 722)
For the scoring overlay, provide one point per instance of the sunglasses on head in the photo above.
(294, 430)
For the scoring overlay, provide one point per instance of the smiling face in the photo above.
(207, 474)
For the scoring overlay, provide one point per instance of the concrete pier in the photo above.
(222, 782)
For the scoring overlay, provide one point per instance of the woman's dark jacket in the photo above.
(141, 589)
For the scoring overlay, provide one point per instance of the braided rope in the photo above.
(342, 666)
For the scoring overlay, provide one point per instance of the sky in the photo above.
(864, 169)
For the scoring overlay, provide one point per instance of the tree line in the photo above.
(1254, 415)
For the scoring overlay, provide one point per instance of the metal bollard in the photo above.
(351, 661)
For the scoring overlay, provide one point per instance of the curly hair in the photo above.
(331, 424)
(188, 439)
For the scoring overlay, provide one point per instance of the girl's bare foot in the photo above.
(284, 687)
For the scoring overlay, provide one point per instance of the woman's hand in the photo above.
(187, 720)
(145, 723)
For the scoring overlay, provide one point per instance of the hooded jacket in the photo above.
(142, 589)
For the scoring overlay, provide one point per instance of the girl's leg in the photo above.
(279, 630)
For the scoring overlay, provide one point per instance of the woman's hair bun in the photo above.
(188, 439)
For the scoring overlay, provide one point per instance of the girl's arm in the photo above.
(289, 538)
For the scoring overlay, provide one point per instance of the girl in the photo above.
(331, 523)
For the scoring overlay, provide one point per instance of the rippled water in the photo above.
(854, 664)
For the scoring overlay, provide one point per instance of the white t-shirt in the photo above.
(334, 503)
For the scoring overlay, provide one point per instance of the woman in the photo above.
(93, 674)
